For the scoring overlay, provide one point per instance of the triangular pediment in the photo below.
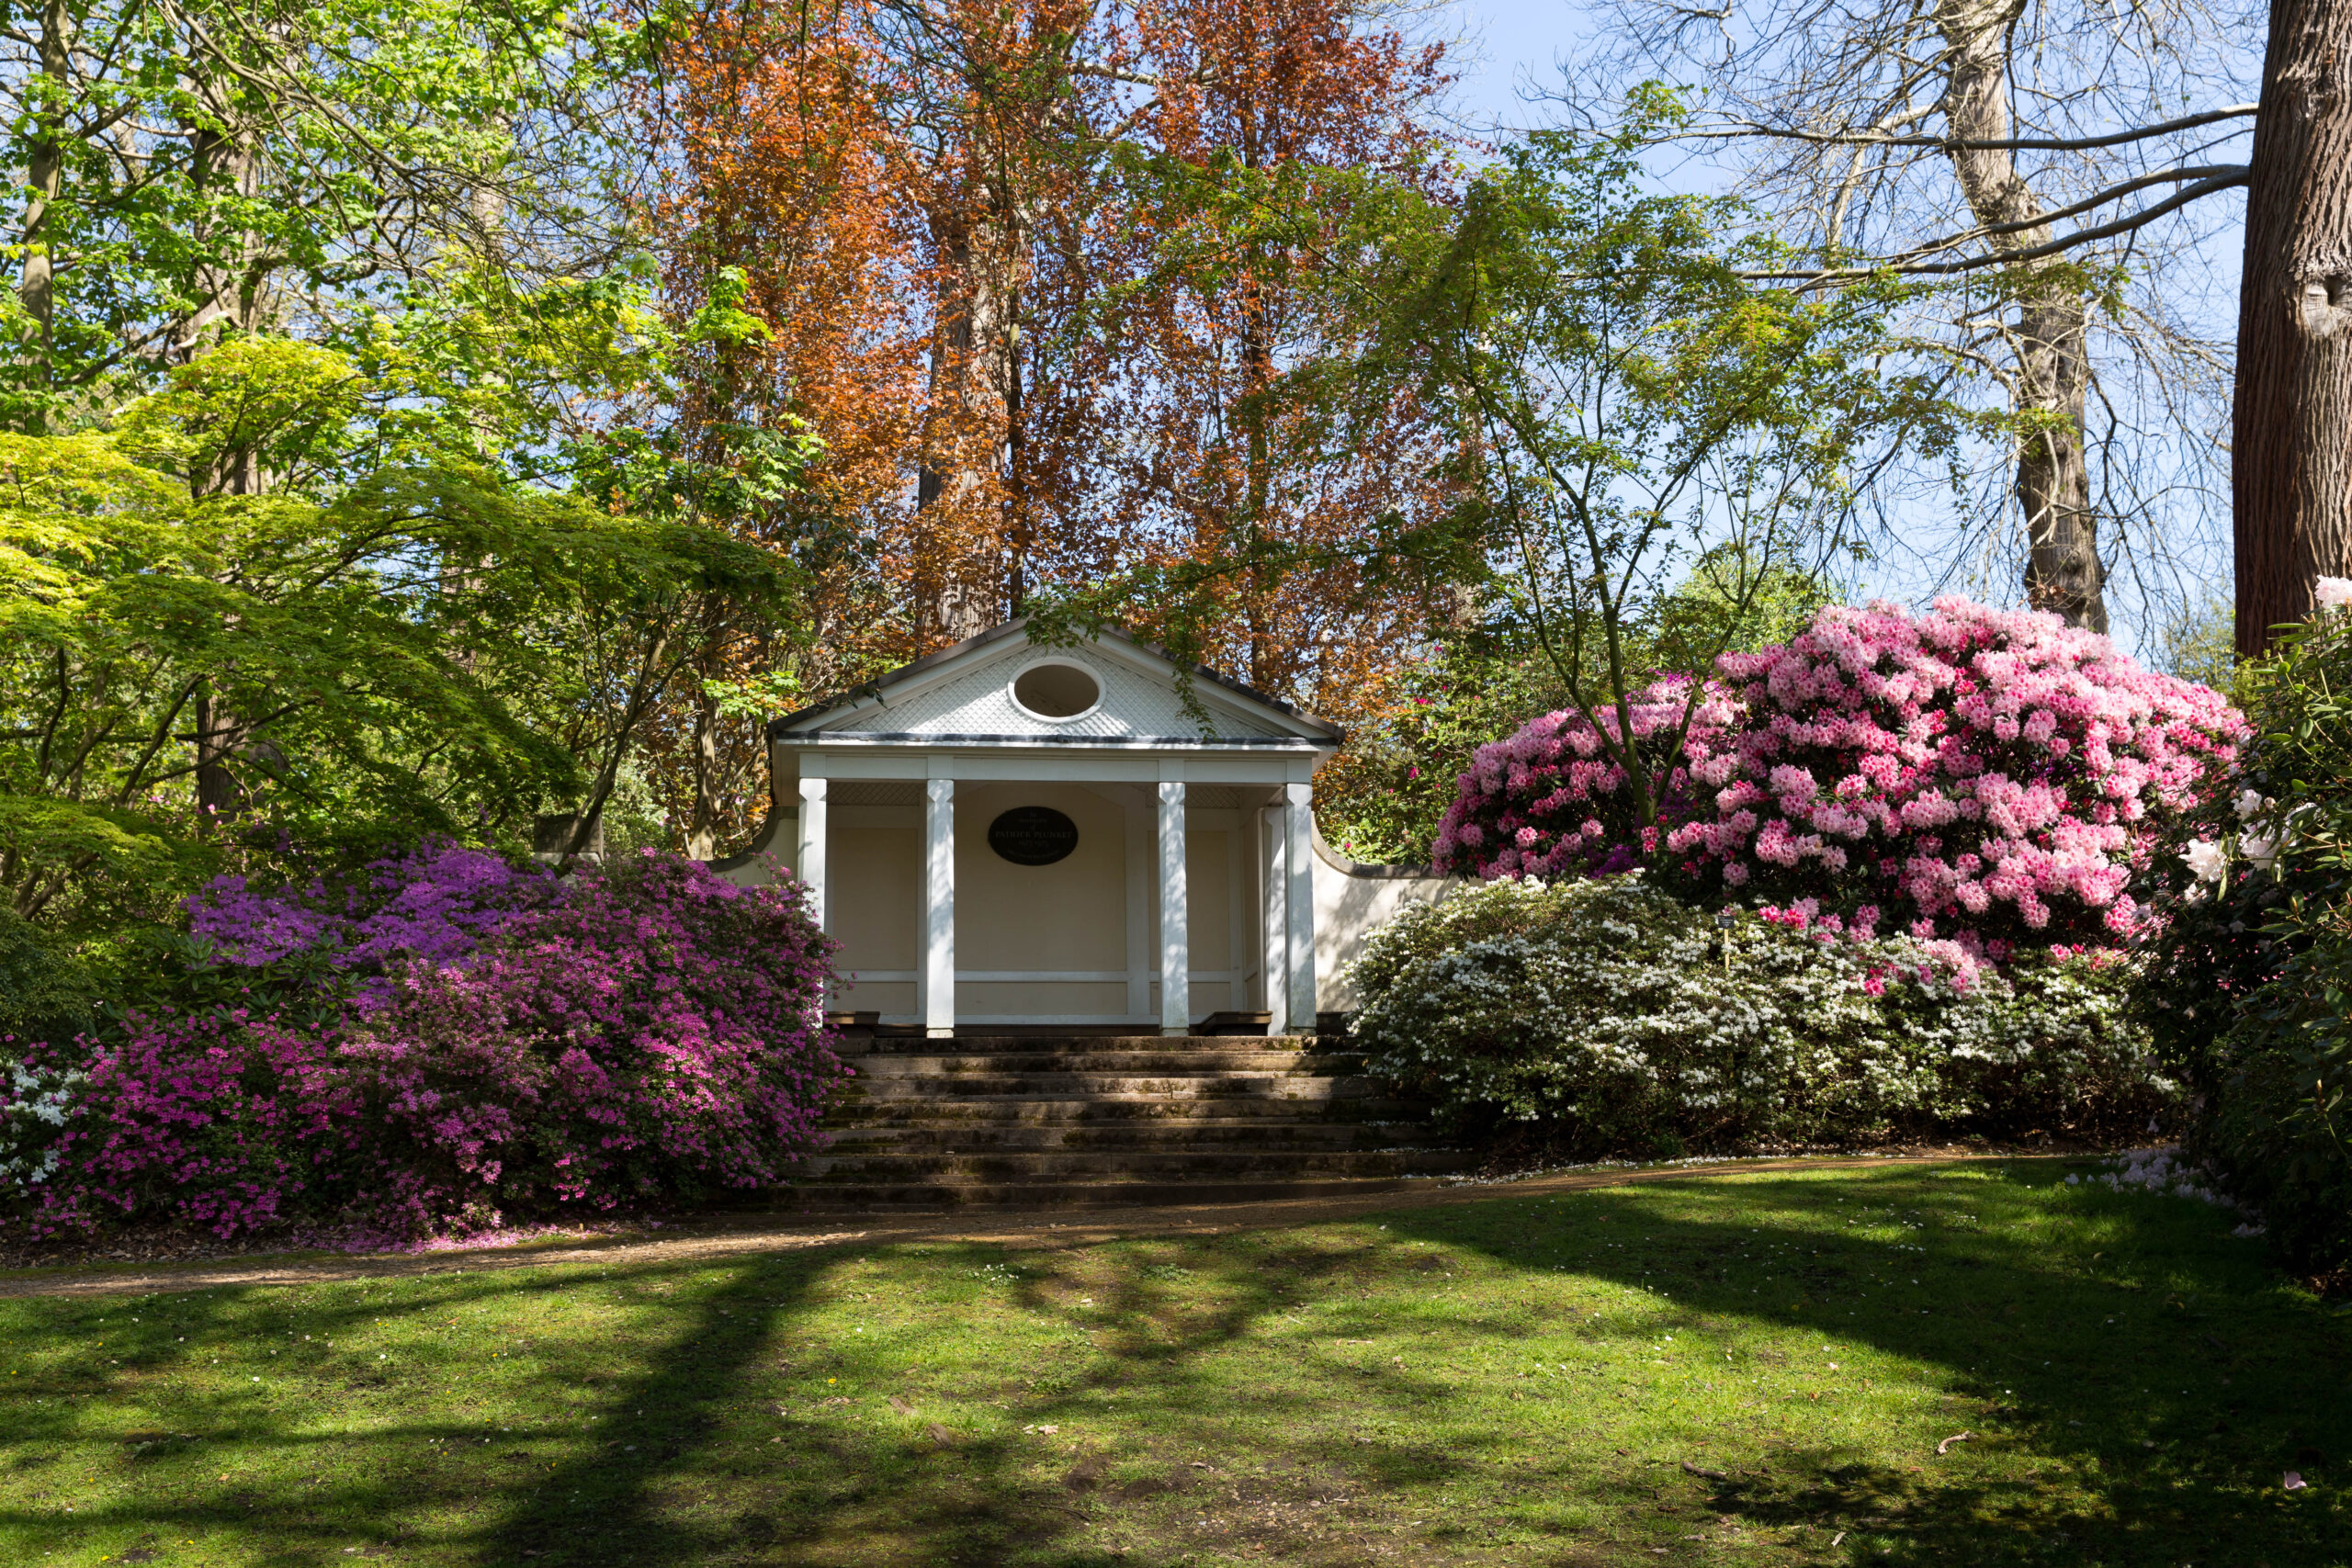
(975, 691)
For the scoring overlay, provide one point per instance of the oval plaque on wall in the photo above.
(1032, 835)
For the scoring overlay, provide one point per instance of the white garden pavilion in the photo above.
(1007, 836)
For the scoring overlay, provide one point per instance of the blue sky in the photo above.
(1521, 41)
(1507, 45)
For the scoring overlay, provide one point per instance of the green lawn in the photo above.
(1515, 1381)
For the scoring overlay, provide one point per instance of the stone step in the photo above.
(1097, 1165)
(1244, 1133)
(1190, 1064)
(1101, 1121)
(1057, 1194)
(888, 1044)
(1064, 1085)
(917, 1111)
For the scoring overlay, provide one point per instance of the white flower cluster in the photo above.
(2161, 1170)
(31, 1111)
(2266, 835)
(1607, 1005)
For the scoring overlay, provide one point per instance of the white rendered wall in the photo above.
(1351, 903)
(1070, 917)
(1078, 915)
(874, 875)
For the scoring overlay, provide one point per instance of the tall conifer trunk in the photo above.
(2291, 462)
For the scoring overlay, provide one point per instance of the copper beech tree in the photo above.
(1036, 358)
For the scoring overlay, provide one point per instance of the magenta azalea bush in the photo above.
(494, 1044)
(1991, 777)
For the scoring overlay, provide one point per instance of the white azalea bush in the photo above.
(1601, 1016)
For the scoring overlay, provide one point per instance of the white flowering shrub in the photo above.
(33, 1108)
(1605, 1015)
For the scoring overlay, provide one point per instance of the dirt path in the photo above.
(713, 1238)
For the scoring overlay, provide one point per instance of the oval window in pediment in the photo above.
(1056, 691)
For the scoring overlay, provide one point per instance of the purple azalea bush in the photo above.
(1992, 778)
(431, 905)
(443, 1042)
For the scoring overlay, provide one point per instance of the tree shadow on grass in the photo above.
(457, 1477)
(2133, 1396)
(954, 1462)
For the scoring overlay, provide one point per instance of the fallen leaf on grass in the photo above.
(1955, 1438)
(900, 1405)
(1048, 1431)
(941, 1435)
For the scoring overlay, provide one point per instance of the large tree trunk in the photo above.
(2291, 470)
(220, 796)
(2052, 378)
(961, 580)
(45, 180)
(702, 827)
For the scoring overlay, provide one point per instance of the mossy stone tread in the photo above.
(1095, 1120)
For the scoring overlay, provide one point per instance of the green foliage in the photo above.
(2202, 646)
(255, 413)
(46, 993)
(1604, 1016)
(426, 649)
(1629, 407)
(1723, 605)
(2252, 996)
(1383, 798)
(196, 170)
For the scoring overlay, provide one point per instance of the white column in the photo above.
(811, 856)
(1134, 821)
(939, 909)
(1274, 897)
(1175, 958)
(1298, 824)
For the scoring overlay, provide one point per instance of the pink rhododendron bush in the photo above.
(1988, 777)
(434, 1046)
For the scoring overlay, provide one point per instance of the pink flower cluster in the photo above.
(1551, 801)
(644, 1033)
(1987, 776)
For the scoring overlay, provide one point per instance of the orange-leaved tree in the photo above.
(1011, 284)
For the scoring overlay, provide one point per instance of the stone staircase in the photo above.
(1100, 1121)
